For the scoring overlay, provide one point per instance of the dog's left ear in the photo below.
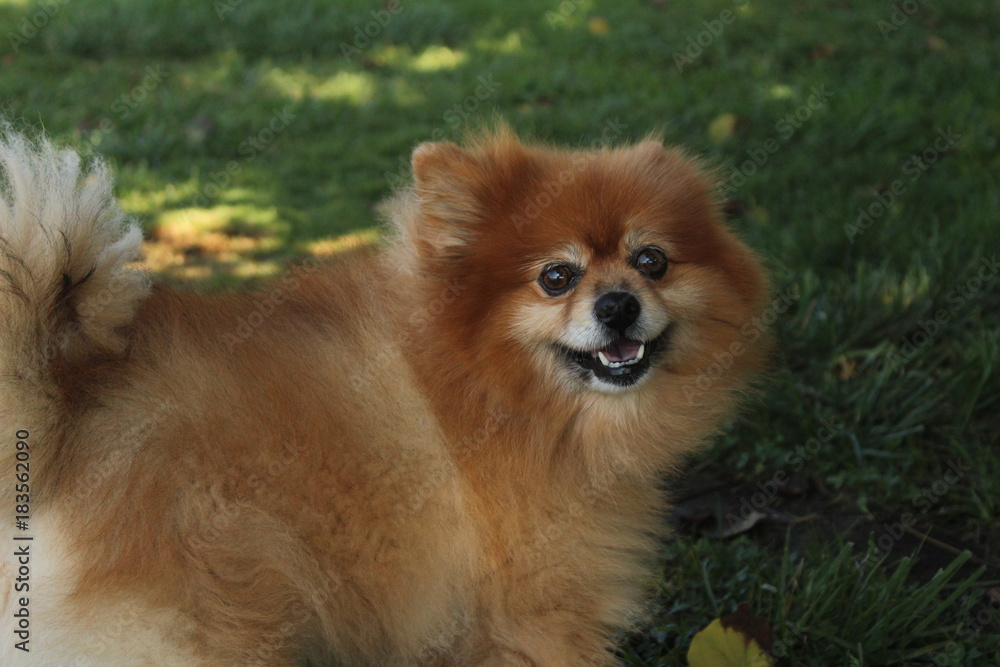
(443, 177)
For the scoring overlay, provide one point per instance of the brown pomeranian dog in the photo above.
(445, 450)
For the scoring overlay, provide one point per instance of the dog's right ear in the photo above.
(443, 177)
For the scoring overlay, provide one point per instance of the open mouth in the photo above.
(622, 362)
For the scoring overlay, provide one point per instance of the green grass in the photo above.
(823, 609)
(173, 93)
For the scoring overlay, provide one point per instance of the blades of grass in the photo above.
(823, 599)
(783, 592)
(944, 576)
(708, 588)
(919, 428)
(830, 637)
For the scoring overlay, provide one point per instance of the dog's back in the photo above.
(250, 479)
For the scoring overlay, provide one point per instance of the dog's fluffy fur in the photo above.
(391, 459)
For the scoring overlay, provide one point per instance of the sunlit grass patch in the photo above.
(325, 248)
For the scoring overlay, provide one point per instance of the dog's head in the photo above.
(577, 271)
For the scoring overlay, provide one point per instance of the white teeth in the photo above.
(619, 364)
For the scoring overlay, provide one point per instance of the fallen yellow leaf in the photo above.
(731, 641)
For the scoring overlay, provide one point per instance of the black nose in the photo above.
(618, 310)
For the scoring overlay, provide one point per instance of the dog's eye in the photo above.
(557, 278)
(651, 262)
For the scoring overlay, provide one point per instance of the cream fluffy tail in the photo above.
(65, 293)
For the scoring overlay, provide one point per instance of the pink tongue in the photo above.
(623, 349)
